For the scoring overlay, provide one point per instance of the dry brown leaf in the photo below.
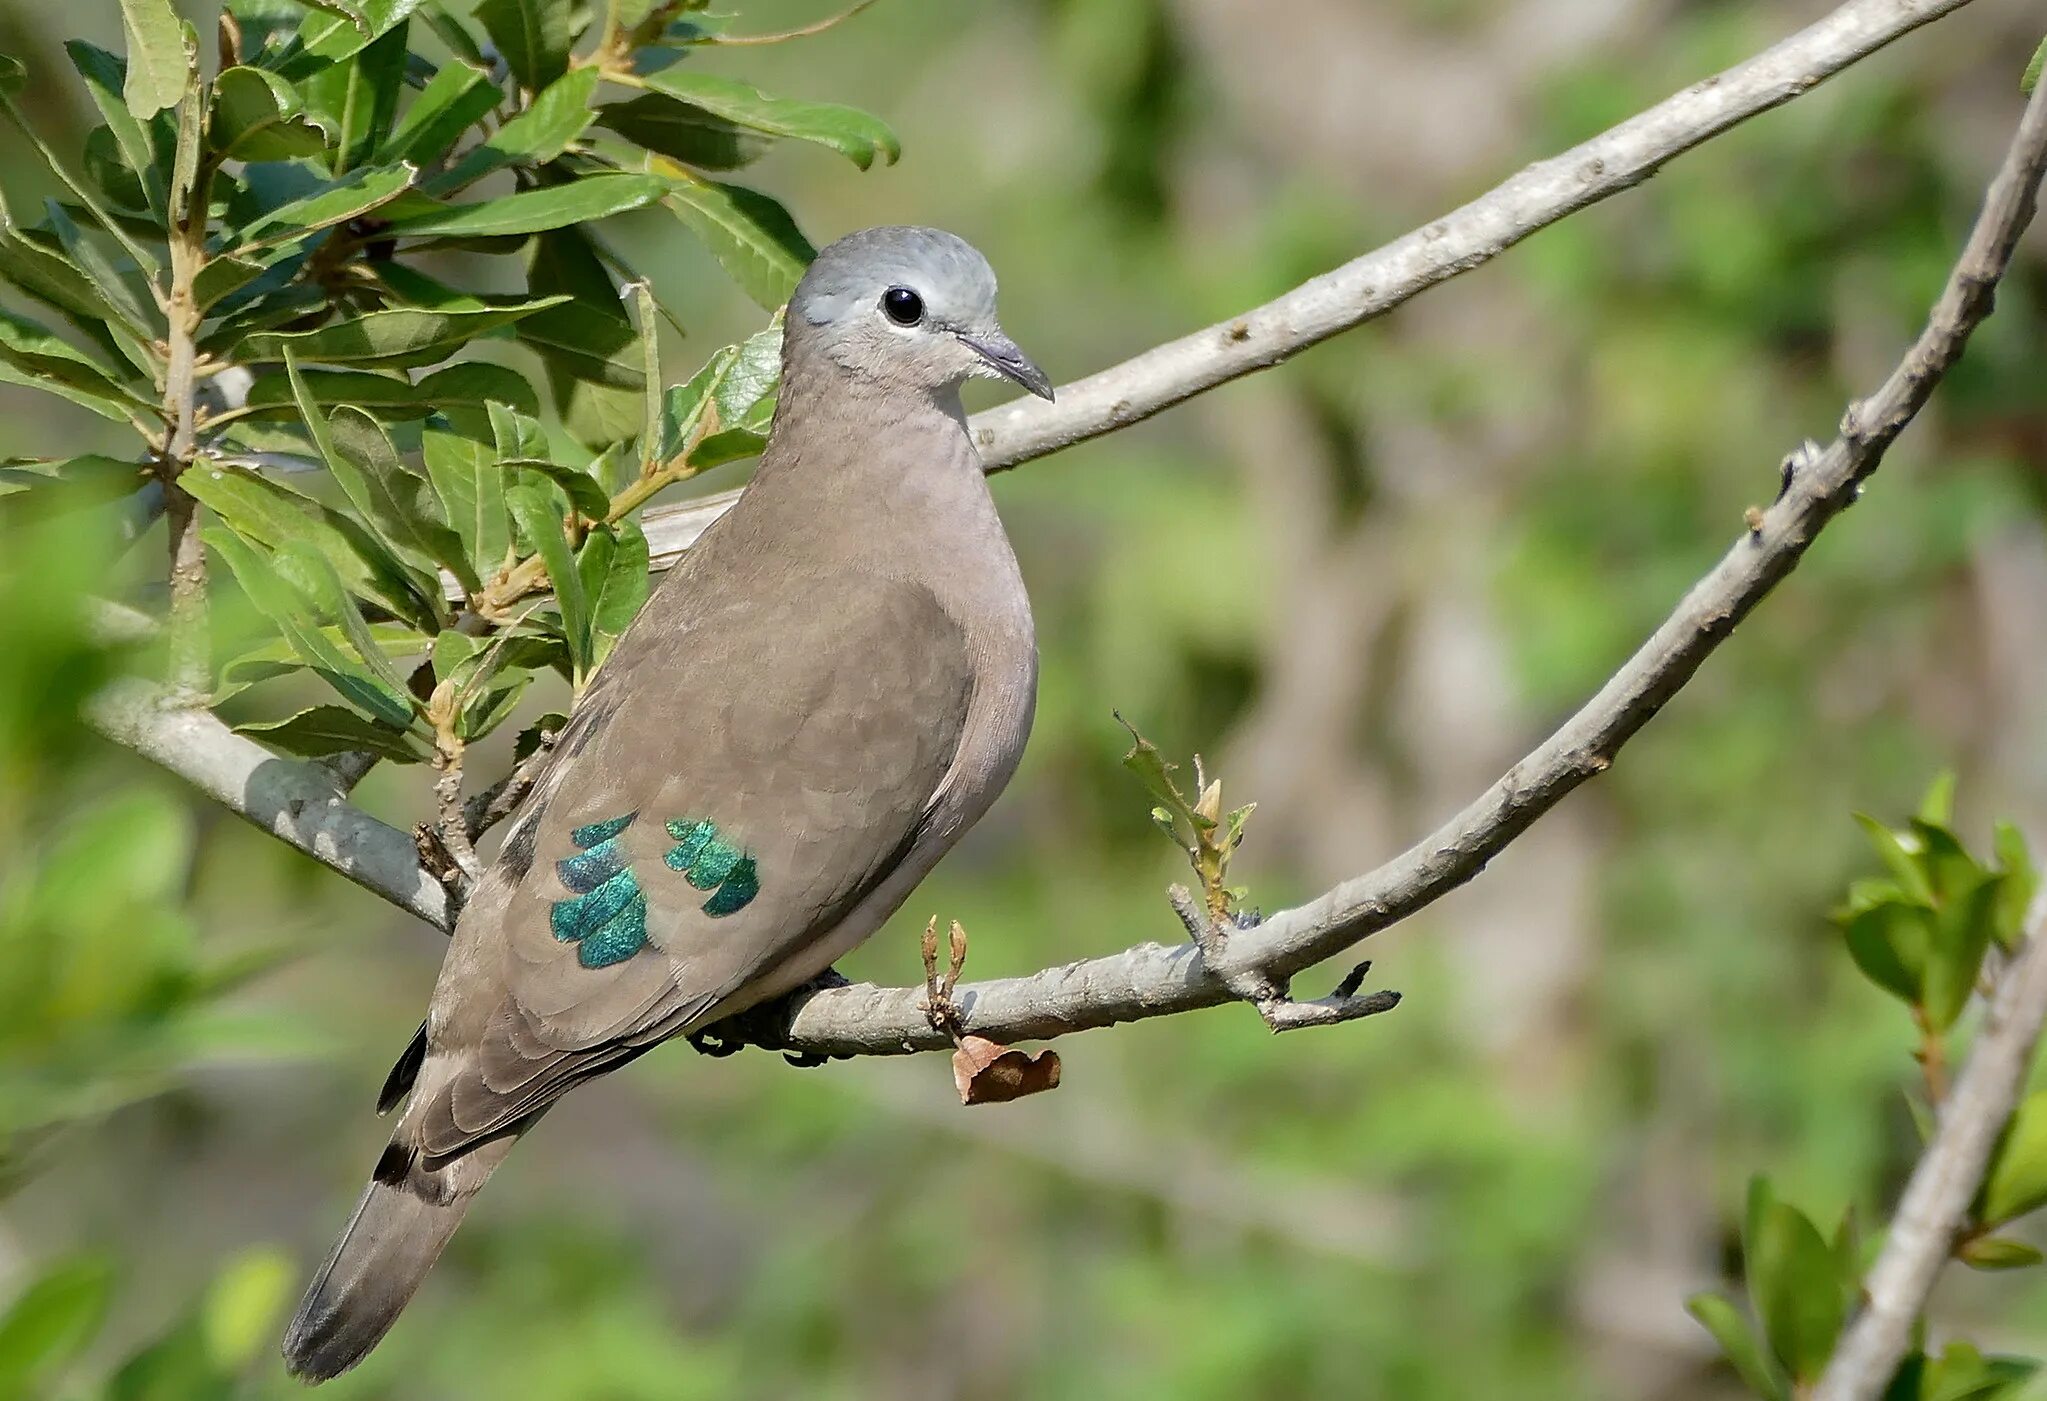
(988, 1072)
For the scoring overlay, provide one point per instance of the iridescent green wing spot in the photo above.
(605, 915)
(708, 862)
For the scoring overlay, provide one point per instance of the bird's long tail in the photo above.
(405, 1217)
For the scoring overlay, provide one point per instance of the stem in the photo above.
(1932, 1058)
(190, 656)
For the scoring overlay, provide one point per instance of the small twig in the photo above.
(1270, 995)
(784, 36)
(499, 801)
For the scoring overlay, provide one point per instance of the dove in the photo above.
(831, 687)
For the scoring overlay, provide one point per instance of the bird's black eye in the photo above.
(903, 306)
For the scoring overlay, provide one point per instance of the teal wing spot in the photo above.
(691, 839)
(606, 918)
(713, 865)
(710, 863)
(737, 892)
(619, 938)
(597, 832)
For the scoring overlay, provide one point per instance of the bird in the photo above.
(828, 690)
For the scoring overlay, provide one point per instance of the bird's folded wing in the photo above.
(724, 799)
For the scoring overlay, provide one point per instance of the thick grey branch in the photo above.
(1372, 285)
(294, 802)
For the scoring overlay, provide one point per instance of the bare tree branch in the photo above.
(1936, 1201)
(1151, 979)
(1372, 285)
(294, 802)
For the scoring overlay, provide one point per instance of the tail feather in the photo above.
(404, 1220)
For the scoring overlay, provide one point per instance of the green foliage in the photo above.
(1199, 827)
(276, 212)
(1920, 934)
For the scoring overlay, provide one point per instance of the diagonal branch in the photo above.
(1936, 1200)
(1151, 979)
(1374, 284)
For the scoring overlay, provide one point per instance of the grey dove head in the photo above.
(907, 308)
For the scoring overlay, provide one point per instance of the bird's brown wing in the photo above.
(717, 809)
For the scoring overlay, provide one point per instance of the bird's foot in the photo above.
(1271, 995)
(767, 1026)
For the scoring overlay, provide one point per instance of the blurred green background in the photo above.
(1361, 585)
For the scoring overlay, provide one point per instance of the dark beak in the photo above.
(1005, 359)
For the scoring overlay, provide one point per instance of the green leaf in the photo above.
(1962, 927)
(533, 35)
(357, 99)
(1738, 1342)
(393, 398)
(87, 480)
(595, 362)
(336, 202)
(143, 148)
(685, 405)
(491, 706)
(271, 514)
(584, 491)
(471, 486)
(537, 135)
(397, 504)
(36, 351)
(243, 1303)
(1795, 1289)
(540, 520)
(296, 617)
(650, 360)
(516, 435)
(51, 277)
(753, 238)
(615, 577)
(335, 729)
(534, 211)
(1889, 943)
(112, 286)
(104, 405)
(256, 117)
(1964, 1374)
(682, 132)
(2017, 1180)
(456, 99)
(849, 131)
(2030, 79)
(1937, 807)
(160, 56)
(50, 1322)
(1902, 864)
(401, 338)
(2021, 882)
(1994, 1253)
(335, 35)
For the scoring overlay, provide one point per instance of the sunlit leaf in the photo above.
(160, 56)
(404, 337)
(753, 238)
(859, 137)
(682, 132)
(533, 35)
(534, 211)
